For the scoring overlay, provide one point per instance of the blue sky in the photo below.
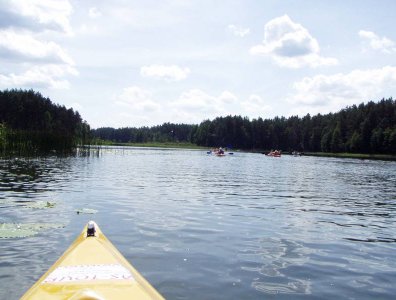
(141, 63)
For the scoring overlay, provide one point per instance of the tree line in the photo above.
(167, 132)
(366, 128)
(31, 123)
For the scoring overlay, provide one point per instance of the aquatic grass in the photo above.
(7, 203)
(170, 145)
(20, 230)
(40, 205)
(9, 231)
(86, 211)
(353, 155)
(27, 204)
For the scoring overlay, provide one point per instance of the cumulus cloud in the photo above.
(256, 106)
(197, 100)
(137, 99)
(238, 30)
(324, 93)
(24, 45)
(40, 63)
(192, 106)
(139, 107)
(376, 42)
(47, 76)
(77, 106)
(37, 15)
(173, 72)
(94, 13)
(195, 105)
(290, 45)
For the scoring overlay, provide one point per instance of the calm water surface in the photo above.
(204, 227)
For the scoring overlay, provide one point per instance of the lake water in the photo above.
(197, 226)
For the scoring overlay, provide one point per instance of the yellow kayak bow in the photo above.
(92, 269)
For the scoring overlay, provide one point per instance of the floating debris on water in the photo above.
(86, 211)
(7, 203)
(40, 205)
(9, 231)
(15, 230)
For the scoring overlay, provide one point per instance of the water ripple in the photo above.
(200, 227)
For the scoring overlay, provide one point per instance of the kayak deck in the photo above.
(92, 268)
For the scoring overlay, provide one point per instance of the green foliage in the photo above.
(14, 230)
(336, 144)
(3, 137)
(325, 142)
(40, 204)
(367, 128)
(355, 143)
(31, 123)
(86, 211)
(167, 132)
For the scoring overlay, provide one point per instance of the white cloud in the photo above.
(23, 24)
(227, 98)
(89, 29)
(192, 106)
(76, 106)
(150, 15)
(39, 14)
(26, 46)
(94, 13)
(323, 93)
(20, 20)
(196, 100)
(238, 30)
(47, 76)
(139, 108)
(375, 42)
(195, 105)
(290, 45)
(256, 106)
(137, 99)
(172, 72)
(126, 119)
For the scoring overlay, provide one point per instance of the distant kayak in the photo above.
(295, 153)
(219, 152)
(275, 153)
(92, 268)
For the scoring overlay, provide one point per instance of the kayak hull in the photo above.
(92, 268)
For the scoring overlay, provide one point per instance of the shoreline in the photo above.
(155, 145)
(385, 157)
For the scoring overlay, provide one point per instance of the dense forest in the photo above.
(166, 132)
(366, 128)
(30, 123)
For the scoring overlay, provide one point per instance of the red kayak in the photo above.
(275, 153)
